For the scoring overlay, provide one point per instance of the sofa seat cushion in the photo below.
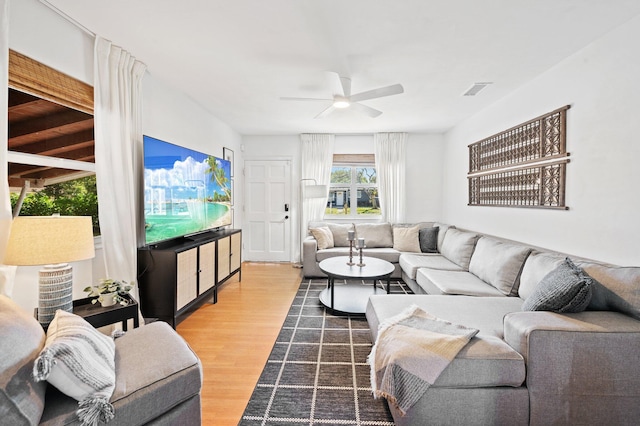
(388, 254)
(435, 281)
(499, 263)
(411, 262)
(487, 360)
(155, 371)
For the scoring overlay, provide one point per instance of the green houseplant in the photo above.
(109, 292)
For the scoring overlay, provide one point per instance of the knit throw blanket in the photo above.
(79, 361)
(411, 351)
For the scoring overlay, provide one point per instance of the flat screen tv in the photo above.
(186, 192)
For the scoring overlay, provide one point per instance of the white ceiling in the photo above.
(236, 58)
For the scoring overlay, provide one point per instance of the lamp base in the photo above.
(55, 291)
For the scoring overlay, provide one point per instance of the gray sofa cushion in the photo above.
(615, 288)
(375, 234)
(458, 246)
(411, 262)
(487, 360)
(499, 263)
(21, 340)
(442, 231)
(146, 386)
(428, 238)
(566, 289)
(434, 281)
(340, 233)
(537, 265)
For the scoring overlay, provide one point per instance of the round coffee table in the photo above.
(353, 298)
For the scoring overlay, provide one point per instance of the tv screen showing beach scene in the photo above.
(185, 191)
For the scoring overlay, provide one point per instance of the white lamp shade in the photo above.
(45, 240)
(315, 191)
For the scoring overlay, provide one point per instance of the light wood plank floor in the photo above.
(234, 337)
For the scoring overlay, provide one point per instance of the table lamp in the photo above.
(51, 241)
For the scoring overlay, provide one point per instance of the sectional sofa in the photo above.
(524, 366)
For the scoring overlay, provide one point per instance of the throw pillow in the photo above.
(566, 289)
(79, 361)
(323, 236)
(428, 238)
(21, 397)
(406, 239)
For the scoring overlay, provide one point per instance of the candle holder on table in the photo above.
(351, 236)
(360, 246)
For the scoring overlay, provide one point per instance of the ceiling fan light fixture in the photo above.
(341, 102)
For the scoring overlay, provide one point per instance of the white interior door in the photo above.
(267, 220)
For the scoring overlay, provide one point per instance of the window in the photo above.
(50, 143)
(353, 185)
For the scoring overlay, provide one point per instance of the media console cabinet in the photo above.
(177, 277)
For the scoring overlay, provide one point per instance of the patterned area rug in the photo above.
(317, 372)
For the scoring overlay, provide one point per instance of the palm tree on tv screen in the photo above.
(218, 176)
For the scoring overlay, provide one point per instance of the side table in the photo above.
(99, 316)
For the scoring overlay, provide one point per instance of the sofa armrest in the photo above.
(581, 368)
(309, 263)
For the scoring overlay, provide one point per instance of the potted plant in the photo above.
(109, 292)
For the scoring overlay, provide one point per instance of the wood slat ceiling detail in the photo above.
(50, 114)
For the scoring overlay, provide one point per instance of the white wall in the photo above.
(602, 86)
(424, 165)
(37, 32)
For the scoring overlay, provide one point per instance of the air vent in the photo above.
(477, 87)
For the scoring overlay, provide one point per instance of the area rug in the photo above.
(317, 372)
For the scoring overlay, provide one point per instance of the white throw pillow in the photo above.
(323, 236)
(79, 361)
(407, 239)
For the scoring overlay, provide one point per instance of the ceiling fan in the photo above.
(344, 99)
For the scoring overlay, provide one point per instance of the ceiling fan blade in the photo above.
(346, 86)
(395, 89)
(340, 86)
(371, 112)
(288, 98)
(325, 112)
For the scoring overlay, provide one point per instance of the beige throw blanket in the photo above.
(411, 351)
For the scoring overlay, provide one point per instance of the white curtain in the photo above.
(118, 142)
(317, 160)
(389, 149)
(7, 273)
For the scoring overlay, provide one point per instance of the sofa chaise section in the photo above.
(484, 383)
(526, 367)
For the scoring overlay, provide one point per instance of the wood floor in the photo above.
(234, 337)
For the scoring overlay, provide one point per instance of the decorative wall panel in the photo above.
(523, 166)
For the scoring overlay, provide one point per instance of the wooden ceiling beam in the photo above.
(48, 122)
(53, 146)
